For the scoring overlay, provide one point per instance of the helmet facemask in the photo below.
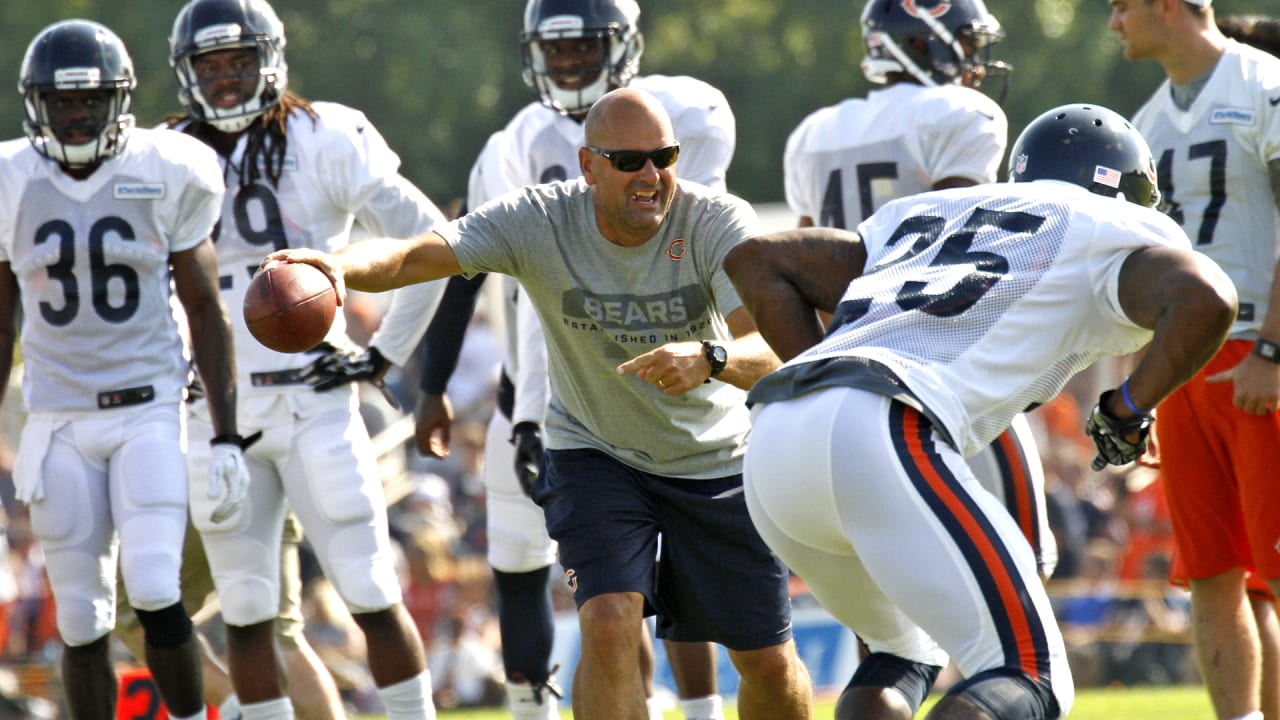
(107, 126)
(205, 26)
(262, 86)
(620, 50)
(950, 43)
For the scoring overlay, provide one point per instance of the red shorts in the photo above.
(1220, 467)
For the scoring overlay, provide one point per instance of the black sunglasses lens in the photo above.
(634, 160)
(628, 160)
(662, 158)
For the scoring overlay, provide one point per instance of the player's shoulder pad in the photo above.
(175, 153)
(19, 162)
(333, 121)
(815, 125)
(693, 104)
(956, 101)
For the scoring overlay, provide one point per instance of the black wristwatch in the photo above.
(717, 357)
(1266, 350)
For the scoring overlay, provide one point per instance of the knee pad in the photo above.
(882, 670)
(360, 568)
(1008, 694)
(168, 628)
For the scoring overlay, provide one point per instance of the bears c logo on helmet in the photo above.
(938, 10)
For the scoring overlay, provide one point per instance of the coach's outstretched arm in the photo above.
(784, 278)
(379, 264)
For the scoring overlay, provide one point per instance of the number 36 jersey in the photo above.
(980, 302)
(92, 262)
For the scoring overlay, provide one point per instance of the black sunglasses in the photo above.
(634, 160)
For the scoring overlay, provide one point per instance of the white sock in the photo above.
(278, 709)
(1255, 715)
(230, 708)
(710, 707)
(654, 705)
(525, 706)
(409, 699)
(202, 715)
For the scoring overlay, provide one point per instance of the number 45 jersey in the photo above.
(977, 303)
(844, 161)
(92, 262)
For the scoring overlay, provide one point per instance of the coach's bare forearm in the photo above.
(381, 264)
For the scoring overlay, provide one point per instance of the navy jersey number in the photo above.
(1215, 152)
(256, 212)
(833, 214)
(954, 249)
(101, 273)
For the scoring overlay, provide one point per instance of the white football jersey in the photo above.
(1033, 270)
(92, 262)
(337, 169)
(540, 145)
(844, 161)
(1212, 168)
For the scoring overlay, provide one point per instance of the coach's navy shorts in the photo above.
(715, 581)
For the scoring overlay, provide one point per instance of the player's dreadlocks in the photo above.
(266, 139)
(1259, 31)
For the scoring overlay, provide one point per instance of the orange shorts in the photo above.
(1220, 467)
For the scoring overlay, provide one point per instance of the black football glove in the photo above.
(527, 437)
(1109, 434)
(339, 367)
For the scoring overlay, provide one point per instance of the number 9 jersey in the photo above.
(91, 258)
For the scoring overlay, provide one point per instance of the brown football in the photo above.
(290, 306)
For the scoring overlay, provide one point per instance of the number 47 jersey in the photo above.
(977, 303)
(91, 258)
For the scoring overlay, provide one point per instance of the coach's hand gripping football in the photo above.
(1109, 435)
(228, 474)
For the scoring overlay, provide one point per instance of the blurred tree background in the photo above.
(437, 77)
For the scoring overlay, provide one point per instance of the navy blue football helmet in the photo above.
(614, 23)
(81, 56)
(1090, 146)
(937, 42)
(208, 25)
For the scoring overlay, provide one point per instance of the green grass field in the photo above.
(1163, 703)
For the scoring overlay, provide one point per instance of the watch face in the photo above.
(721, 355)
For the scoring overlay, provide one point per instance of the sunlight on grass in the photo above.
(1147, 703)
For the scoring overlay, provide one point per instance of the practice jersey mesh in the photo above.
(959, 289)
(92, 262)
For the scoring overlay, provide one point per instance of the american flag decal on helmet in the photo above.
(1106, 176)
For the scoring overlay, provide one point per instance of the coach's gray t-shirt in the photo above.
(601, 304)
